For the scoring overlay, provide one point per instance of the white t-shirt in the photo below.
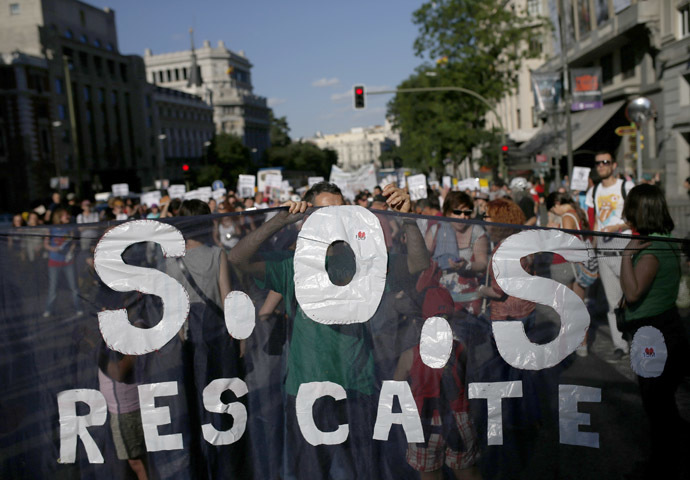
(609, 203)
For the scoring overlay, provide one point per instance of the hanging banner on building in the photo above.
(547, 88)
(586, 87)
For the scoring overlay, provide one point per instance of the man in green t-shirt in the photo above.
(341, 354)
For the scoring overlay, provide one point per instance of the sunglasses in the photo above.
(467, 213)
(603, 162)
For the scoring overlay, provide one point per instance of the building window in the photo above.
(606, 63)
(153, 77)
(83, 39)
(111, 68)
(97, 43)
(62, 112)
(628, 61)
(169, 75)
(534, 7)
(82, 18)
(84, 61)
(584, 17)
(113, 97)
(177, 74)
(98, 63)
(123, 72)
(87, 94)
(101, 95)
(69, 34)
(602, 11)
(109, 47)
(59, 86)
(684, 20)
(14, 9)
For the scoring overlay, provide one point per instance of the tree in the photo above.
(302, 157)
(280, 131)
(227, 158)
(474, 44)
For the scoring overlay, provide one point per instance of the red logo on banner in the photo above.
(586, 83)
(649, 352)
(361, 236)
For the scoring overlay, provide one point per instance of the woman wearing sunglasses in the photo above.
(461, 250)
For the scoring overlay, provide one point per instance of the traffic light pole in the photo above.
(501, 163)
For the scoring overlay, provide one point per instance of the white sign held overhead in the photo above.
(245, 185)
(176, 191)
(470, 184)
(416, 185)
(312, 180)
(580, 179)
(352, 182)
(447, 182)
(120, 190)
(151, 198)
(218, 194)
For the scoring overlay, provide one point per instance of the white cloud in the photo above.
(325, 82)
(274, 102)
(339, 97)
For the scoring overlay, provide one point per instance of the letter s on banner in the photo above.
(118, 333)
(320, 299)
(513, 344)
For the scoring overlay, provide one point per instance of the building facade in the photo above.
(98, 98)
(360, 146)
(223, 79)
(185, 123)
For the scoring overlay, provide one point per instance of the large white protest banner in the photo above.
(352, 182)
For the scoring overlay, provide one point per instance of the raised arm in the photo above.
(241, 254)
(418, 257)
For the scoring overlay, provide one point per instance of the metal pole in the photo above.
(73, 125)
(501, 165)
(638, 134)
(566, 88)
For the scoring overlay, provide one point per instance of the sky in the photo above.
(306, 54)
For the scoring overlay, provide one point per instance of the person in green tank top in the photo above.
(650, 276)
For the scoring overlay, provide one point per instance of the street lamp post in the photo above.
(161, 160)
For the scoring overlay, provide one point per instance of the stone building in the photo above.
(360, 146)
(223, 79)
(99, 137)
(185, 123)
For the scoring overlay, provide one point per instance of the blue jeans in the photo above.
(53, 274)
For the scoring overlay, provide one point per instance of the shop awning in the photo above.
(551, 137)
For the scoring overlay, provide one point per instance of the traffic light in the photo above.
(359, 97)
(504, 151)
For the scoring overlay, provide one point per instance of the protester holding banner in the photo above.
(341, 354)
(650, 277)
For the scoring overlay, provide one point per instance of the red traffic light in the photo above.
(504, 148)
(185, 167)
(359, 97)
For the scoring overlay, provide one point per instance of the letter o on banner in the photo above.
(320, 299)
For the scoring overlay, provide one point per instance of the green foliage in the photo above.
(474, 44)
(302, 157)
(227, 158)
(280, 131)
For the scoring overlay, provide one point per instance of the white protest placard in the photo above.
(151, 198)
(273, 180)
(352, 182)
(120, 189)
(198, 194)
(206, 190)
(447, 182)
(176, 191)
(245, 185)
(312, 180)
(484, 185)
(263, 173)
(470, 184)
(580, 179)
(416, 186)
(285, 186)
(218, 194)
(388, 179)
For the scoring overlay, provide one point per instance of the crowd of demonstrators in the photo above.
(254, 253)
